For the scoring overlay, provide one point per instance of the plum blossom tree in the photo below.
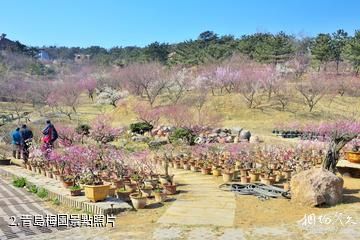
(178, 115)
(89, 84)
(111, 96)
(249, 85)
(179, 83)
(65, 98)
(148, 114)
(102, 131)
(147, 80)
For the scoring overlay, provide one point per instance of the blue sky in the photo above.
(111, 23)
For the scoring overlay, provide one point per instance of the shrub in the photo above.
(184, 135)
(19, 182)
(75, 188)
(31, 188)
(55, 201)
(42, 193)
(141, 127)
(83, 129)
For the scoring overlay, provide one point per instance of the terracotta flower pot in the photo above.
(245, 179)
(177, 165)
(205, 171)
(75, 192)
(287, 174)
(186, 166)
(244, 172)
(138, 201)
(118, 183)
(160, 197)
(194, 169)
(227, 177)
(278, 177)
(131, 186)
(146, 192)
(286, 186)
(254, 177)
(170, 189)
(124, 195)
(68, 184)
(268, 180)
(216, 172)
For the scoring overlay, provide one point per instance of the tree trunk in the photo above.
(333, 153)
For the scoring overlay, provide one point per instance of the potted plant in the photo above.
(166, 178)
(160, 195)
(95, 189)
(354, 155)
(123, 194)
(254, 175)
(170, 188)
(130, 186)
(75, 190)
(216, 172)
(68, 181)
(186, 165)
(245, 179)
(206, 169)
(138, 201)
(227, 175)
(146, 191)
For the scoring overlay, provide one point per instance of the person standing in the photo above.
(50, 135)
(26, 137)
(16, 143)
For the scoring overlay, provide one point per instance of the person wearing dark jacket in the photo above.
(50, 134)
(16, 143)
(26, 137)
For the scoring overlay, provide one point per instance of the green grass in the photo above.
(32, 188)
(42, 193)
(19, 182)
(55, 201)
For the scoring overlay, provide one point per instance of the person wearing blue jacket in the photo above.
(16, 143)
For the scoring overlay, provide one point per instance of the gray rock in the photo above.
(200, 140)
(216, 130)
(245, 134)
(212, 135)
(158, 142)
(222, 134)
(139, 138)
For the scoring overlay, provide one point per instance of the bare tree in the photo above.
(312, 89)
(146, 79)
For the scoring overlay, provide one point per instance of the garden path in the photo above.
(201, 202)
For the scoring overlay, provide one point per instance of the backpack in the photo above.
(54, 135)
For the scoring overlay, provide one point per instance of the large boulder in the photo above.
(245, 134)
(315, 187)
